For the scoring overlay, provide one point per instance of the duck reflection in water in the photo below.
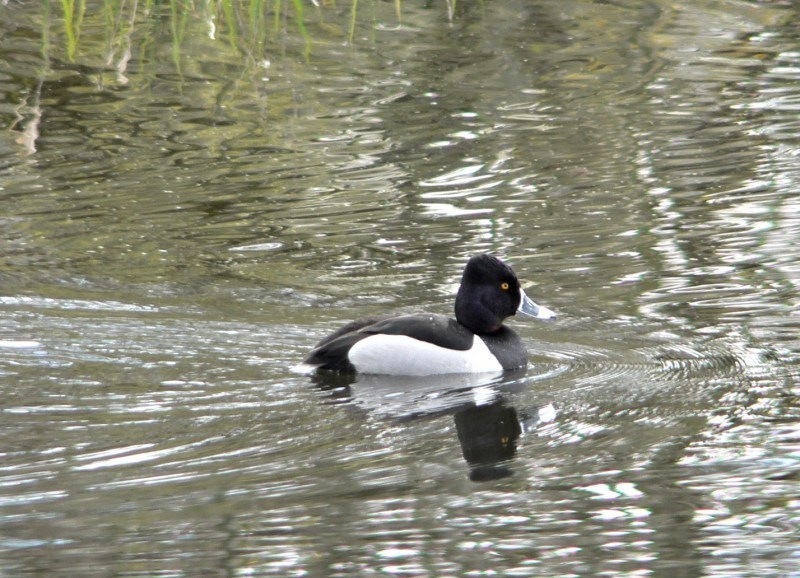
(488, 436)
(487, 426)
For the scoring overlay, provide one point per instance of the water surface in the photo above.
(182, 220)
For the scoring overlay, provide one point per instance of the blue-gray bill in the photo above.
(529, 308)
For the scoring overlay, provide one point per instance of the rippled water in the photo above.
(182, 222)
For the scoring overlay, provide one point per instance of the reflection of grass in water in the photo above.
(134, 29)
(298, 6)
(178, 23)
(73, 18)
(245, 24)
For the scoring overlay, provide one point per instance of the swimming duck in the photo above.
(476, 341)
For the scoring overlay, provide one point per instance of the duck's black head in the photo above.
(490, 293)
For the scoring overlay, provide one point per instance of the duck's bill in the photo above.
(529, 308)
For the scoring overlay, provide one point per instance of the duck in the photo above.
(424, 344)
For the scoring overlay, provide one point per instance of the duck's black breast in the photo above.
(507, 347)
(331, 352)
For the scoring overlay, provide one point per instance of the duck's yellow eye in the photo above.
(504, 286)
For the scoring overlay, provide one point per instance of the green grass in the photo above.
(73, 18)
(255, 29)
(248, 25)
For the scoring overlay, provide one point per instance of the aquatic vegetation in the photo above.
(73, 17)
(253, 27)
(241, 24)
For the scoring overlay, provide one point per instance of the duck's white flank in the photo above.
(403, 355)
